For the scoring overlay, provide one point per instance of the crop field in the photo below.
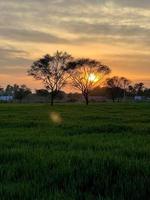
(75, 152)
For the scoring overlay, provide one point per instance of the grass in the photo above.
(99, 152)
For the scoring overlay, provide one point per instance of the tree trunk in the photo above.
(124, 95)
(86, 96)
(52, 98)
(113, 97)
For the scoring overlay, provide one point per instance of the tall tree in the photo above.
(51, 70)
(124, 85)
(118, 87)
(86, 74)
(114, 85)
(139, 88)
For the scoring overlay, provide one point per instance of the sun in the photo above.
(92, 77)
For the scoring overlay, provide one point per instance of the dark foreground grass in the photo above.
(99, 152)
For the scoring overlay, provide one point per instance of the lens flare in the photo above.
(55, 118)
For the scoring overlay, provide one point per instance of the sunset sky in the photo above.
(116, 32)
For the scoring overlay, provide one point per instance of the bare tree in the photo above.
(114, 85)
(139, 88)
(86, 74)
(124, 85)
(118, 86)
(51, 70)
(136, 89)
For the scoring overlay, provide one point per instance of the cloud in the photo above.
(12, 58)
(9, 51)
(134, 3)
(24, 35)
(45, 21)
(49, 21)
(106, 29)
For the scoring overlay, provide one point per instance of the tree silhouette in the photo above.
(51, 70)
(1, 89)
(86, 74)
(124, 85)
(139, 88)
(118, 86)
(21, 92)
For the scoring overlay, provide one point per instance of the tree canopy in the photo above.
(51, 70)
(86, 74)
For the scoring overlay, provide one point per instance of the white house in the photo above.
(6, 98)
(138, 98)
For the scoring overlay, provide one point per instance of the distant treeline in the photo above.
(112, 92)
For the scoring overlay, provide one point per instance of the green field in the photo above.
(99, 152)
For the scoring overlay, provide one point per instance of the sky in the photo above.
(116, 32)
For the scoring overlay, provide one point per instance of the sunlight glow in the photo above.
(92, 77)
